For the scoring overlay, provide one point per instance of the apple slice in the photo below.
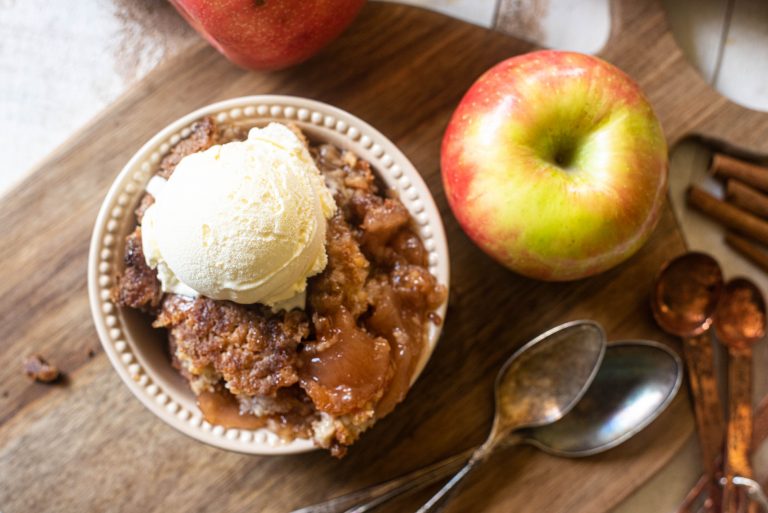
(352, 369)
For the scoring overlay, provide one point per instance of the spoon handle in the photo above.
(371, 497)
(738, 441)
(438, 501)
(700, 361)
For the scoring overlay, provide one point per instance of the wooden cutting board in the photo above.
(88, 445)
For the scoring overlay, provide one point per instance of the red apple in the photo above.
(268, 34)
(555, 165)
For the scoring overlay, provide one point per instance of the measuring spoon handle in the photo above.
(700, 362)
(739, 435)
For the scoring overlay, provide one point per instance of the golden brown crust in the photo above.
(138, 286)
(204, 135)
(253, 350)
(146, 201)
(342, 282)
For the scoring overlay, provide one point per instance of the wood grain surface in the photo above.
(87, 445)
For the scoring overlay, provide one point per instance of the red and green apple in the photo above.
(555, 164)
(268, 34)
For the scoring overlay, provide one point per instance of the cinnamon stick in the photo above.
(746, 197)
(750, 251)
(723, 166)
(729, 215)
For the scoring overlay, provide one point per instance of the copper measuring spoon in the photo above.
(684, 301)
(739, 323)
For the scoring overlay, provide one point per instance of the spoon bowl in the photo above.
(635, 384)
(546, 378)
(740, 317)
(686, 294)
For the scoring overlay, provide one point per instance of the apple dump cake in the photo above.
(293, 288)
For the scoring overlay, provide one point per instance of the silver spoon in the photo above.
(636, 382)
(537, 385)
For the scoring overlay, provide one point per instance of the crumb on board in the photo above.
(39, 369)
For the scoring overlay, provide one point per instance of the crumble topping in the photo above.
(252, 349)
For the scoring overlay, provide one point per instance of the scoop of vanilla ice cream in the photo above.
(243, 221)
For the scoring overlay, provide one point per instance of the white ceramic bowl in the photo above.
(137, 351)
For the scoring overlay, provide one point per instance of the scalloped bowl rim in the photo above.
(115, 218)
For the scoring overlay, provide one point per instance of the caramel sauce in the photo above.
(220, 408)
(351, 372)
